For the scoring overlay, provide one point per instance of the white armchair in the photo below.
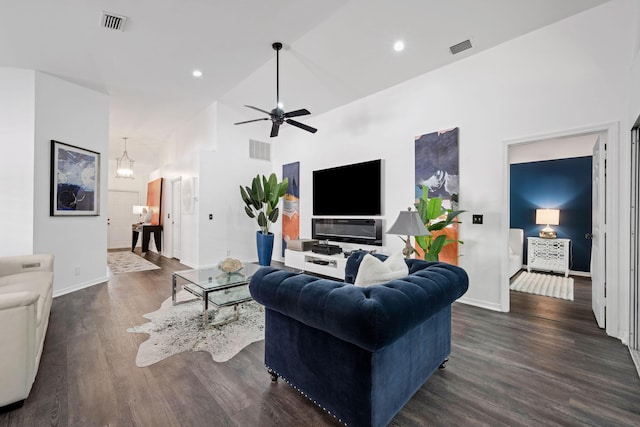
(516, 248)
(26, 294)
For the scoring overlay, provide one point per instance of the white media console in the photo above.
(327, 265)
(349, 233)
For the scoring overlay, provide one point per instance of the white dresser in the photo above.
(548, 254)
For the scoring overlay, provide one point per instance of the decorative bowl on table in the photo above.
(230, 265)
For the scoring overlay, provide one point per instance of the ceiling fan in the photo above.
(277, 115)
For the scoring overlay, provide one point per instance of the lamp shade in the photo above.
(548, 216)
(139, 210)
(409, 224)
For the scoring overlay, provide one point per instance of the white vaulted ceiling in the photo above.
(335, 51)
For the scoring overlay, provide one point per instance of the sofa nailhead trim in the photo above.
(305, 395)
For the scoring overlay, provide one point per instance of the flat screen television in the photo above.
(353, 189)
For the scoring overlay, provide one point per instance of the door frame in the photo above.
(176, 210)
(615, 309)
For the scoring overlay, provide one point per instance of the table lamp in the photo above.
(548, 217)
(140, 211)
(410, 224)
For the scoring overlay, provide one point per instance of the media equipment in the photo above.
(347, 254)
(301, 244)
(325, 249)
(353, 189)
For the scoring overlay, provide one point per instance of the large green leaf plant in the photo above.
(435, 217)
(261, 199)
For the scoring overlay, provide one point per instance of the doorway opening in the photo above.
(120, 217)
(175, 216)
(565, 145)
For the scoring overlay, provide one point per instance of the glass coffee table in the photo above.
(218, 287)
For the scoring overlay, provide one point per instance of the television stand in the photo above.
(326, 265)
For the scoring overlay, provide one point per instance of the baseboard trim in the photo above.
(67, 290)
(579, 273)
(479, 303)
(635, 356)
(571, 272)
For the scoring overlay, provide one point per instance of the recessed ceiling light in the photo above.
(197, 73)
(398, 46)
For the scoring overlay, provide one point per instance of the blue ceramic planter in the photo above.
(264, 243)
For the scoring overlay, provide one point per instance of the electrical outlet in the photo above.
(210, 217)
(477, 219)
(76, 270)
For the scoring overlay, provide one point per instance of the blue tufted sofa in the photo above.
(358, 353)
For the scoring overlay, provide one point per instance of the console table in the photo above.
(146, 230)
(548, 254)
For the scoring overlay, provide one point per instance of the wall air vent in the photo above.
(462, 46)
(112, 22)
(259, 150)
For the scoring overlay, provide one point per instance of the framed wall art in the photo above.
(154, 200)
(436, 167)
(291, 204)
(75, 176)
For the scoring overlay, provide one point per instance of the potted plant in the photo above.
(435, 217)
(261, 202)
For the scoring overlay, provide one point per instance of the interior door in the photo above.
(598, 231)
(176, 217)
(121, 217)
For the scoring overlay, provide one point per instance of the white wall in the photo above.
(570, 75)
(634, 104)
(137, 185)
(218, 156)
(574, 74)
(78, 116)
(16, 163)
(222, 172)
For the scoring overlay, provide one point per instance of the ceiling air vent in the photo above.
(259, 150)
(457, 48)
(112, 22)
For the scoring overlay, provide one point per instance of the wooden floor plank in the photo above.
(544, 363)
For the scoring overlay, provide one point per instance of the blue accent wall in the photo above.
(563, 184)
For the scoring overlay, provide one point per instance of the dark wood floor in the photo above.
(545, 363)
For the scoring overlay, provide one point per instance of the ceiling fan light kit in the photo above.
(278, 116)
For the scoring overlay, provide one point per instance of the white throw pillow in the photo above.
(372, 271)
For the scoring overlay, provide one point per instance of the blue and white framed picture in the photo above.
(75, 174)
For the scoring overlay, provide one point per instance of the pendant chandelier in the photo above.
(124, 166)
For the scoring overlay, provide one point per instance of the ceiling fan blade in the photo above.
(296, 113)
(274, 130)
(258, 109)
(254, 120)
(302, 126)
